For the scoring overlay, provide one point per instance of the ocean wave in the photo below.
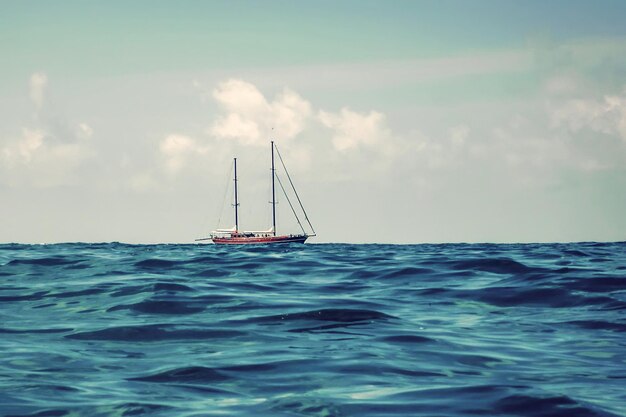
(313, 330)
(154, 332)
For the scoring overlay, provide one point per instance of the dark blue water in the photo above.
(313, 330)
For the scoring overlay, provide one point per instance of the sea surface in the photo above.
(313, 330)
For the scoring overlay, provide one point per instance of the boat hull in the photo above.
(260, 240)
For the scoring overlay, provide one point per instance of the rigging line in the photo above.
(294, 188)
(290, 205)
(219, 219)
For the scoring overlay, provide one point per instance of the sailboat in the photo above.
(235, 236)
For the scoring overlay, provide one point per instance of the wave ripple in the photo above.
(313, 330)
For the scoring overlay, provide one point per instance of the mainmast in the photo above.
(273, 194)
(236, 202)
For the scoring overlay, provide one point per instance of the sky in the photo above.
(399, 122)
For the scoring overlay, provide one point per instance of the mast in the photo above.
(273, 194)
(236, 202)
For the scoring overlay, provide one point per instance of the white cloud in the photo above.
(236, 126)
(353, 130)
(84, 131)
(22, 149)
(290, 113)
(251, 119)
(177, 150)
(44, 156)
(519, 142)
(238, 96)
(530, 152)
(606, 115)
(38, 83)
(35, 159)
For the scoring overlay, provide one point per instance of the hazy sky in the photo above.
(400, 121)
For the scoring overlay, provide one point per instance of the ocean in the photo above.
(313, 330)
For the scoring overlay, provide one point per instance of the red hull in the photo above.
(259, 240)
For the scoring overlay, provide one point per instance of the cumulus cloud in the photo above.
(44, 155)
(38, 83)
(84, 131)
(236, 126)
(605, 115)
(353, 130)
(23, 149)
(250, 118)
(177, 150)
(528, 151)
(35, 158)
(520, 139)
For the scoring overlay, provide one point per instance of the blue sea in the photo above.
(313, 330)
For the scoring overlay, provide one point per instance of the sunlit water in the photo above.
(313, 330)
